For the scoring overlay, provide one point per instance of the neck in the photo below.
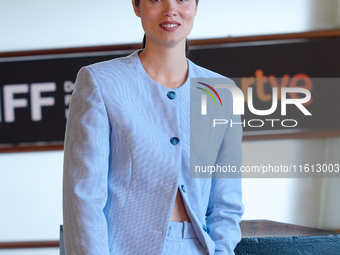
(165, 65)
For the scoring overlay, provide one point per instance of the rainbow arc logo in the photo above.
(209, 93)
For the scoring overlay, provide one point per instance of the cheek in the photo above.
(148, 19)
(148, 14)
(189, 13)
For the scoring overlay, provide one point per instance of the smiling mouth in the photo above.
(169, 25)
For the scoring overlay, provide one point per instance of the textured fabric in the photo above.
(122, 169)
(182, 240)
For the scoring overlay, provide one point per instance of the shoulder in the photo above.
(109, 75)
(120, 65)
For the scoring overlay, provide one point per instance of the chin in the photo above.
(173, 41)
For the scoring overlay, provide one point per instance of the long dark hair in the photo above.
(186, 42)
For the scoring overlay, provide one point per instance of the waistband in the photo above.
(181, 229)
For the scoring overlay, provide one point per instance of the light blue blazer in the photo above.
(127, 152)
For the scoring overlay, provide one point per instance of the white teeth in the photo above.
(170, 25)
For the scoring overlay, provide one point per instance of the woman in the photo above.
(127, 187)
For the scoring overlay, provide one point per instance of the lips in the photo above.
(169, 25)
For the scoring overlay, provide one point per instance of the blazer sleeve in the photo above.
(86, 164)
(225, 206)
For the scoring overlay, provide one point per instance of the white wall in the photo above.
(330, 217)
(30, 183)
(37, 24)
(304, 201)
(290, 200)
(30, 197)
(37, 251)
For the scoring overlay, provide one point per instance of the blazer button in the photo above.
(171, 95)
(183, 188)
(174, 140)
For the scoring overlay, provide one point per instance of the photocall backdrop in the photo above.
(35, 91)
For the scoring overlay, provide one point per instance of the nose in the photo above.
(170, 9)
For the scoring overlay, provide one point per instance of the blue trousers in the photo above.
(182, 240)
